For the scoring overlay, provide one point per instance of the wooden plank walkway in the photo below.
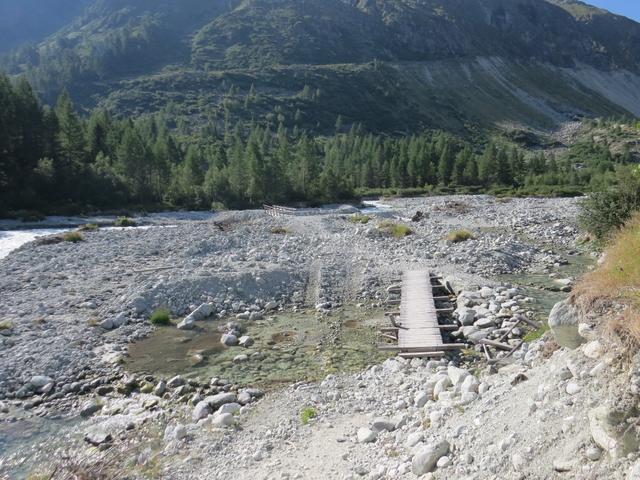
(418, 316)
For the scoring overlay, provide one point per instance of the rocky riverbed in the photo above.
(71, 311)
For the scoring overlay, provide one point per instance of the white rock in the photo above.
(469, 384)
(457, 375)
(466, 316)
(201, 410)
(518, 461)
(39, 381)
(229, 339)
(594, 453)
(223, 420)
(441, 387)
(216, 401)
(593, 350)
(381, 423)
(603, 431)
(572, 388)
(565, 374)
(366, 436)
(421, 399)
(444, 462)
(598, 369)
(202, 312)
(176, 381)
(587, 332)
(231, 408)
(187, 324)
(563, 321)
(427, 458)
(414, 438)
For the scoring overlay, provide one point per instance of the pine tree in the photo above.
(133, 164)
(445, 165)
(504, 175)
(471, 174)
(488, 164)
(71, 138)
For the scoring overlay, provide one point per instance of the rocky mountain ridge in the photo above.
(392, 66)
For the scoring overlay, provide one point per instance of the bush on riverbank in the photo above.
(124, 222)
(617, 282)
(73, 237)
(604, 212)
(281, 231)
(308, 414)
(160, 317)
(397, 230)
(359, 218)
(88, 227)
(459, 236)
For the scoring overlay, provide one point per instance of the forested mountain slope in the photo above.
(392, 65)
(30, 21)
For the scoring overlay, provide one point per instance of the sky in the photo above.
(629, 8)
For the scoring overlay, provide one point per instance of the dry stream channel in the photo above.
(290, 347)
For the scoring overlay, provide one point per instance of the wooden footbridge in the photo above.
(416, 328)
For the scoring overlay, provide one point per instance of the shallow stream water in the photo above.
(545, 290)
(289, 347)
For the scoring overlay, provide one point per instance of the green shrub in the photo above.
(281, 231)
(398, 230)
(73, 237)
(458, 236)
(88, 227)
(358, 218)
(161, 316)
(6, 325)
(307, 414)
(536, 334)
(124, 222)
(604, 212)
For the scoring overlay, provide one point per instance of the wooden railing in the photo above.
(278, 211)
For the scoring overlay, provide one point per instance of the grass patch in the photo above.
(281, 231)
(360, 219)
(617, 281)
(124, 222)
(470, 352)
(88, 227)
(161, 316)
(536, 334)
(308, 414)
(458, 236)
(6, 325)
(397, 230)
(73, 237)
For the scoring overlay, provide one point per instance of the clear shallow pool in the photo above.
(290, 347)
(544, 289)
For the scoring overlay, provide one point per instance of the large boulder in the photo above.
(366, 436)
(610, 433)
(466, 316)
(426, 459)
(203, 312)
(187, 324)
(564, 320)
(216, 401)
(201, 410)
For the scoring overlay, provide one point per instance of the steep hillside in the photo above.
(27, 21)
(391, 65)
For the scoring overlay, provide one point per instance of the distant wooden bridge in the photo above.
(278, 211)
(416, 328)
